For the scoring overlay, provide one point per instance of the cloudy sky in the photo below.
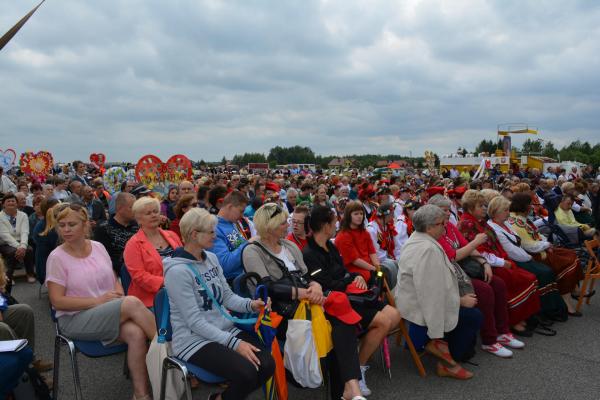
(214, 78)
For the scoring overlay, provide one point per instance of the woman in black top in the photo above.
(325, 265)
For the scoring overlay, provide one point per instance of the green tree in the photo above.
(549, 150)
(291, 155)
(488, 146)
(533, 146)
(247, 158)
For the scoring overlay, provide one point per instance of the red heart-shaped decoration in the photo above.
(149, 170)
(98, 158)
(178, 168)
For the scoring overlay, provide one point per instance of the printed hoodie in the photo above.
(196, 321)
(228, 247)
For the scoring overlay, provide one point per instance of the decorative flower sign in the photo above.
(36, 164)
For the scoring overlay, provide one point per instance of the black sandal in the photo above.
(544, 331)
(590, 294)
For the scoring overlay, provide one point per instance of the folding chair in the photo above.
(125, 278)
(163, 323)
(92, 349)
(402, 332)
(592, 271)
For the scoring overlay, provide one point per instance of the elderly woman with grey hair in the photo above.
(290, 199)
(436, 296)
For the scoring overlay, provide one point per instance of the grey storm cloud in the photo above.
(213, 78)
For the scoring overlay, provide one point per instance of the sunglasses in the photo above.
(277, 211)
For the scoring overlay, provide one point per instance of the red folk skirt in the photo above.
(565, 264)
(521, 292)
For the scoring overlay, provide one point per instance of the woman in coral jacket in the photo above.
(146, 249)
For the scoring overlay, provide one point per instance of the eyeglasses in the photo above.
(63, 206)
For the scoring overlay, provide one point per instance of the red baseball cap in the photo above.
(338, 305)
(433, 190)
(353, 289)
(272, 186)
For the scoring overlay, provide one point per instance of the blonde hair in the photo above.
(470, 200)
(497, 205)
(142, 202)
(521, 187)
(265, 221)
(567, 187)
(50, 219)
(489, 194)
(65, 208)
(196, 219)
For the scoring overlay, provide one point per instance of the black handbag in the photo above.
(285, 308)
(368, 298)
(473, 266)
(371, 296)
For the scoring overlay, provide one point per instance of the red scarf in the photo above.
(469, 226)
(409, 226)
(385, 238)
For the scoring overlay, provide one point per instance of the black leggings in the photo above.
(241, 374)
(343, 360)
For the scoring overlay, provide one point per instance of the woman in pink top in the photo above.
(490, 291)
(89, 300)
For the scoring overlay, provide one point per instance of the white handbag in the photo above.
(175, 387)
(300, 354)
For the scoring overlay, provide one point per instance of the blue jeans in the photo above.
(13, 365)
(460, 339)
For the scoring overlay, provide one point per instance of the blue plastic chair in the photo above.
(163, 324)
(125, 278)
(92, 349)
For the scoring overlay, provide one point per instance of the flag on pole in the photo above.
(13, 31)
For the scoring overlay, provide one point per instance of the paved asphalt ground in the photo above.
(566, 366)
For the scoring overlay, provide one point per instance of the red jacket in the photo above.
(352, 245)
(145, 265)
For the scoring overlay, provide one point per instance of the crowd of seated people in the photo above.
(457, 258)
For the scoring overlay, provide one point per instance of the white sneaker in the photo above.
(509, 340)
(498, 350)
(362, 384)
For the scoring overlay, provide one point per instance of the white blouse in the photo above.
(507, 239)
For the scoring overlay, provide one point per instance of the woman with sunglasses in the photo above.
(146, 249)
(88, 298)
(281, 267)
(185, 203)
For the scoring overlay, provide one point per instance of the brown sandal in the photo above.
(439, 349)
(461, 373)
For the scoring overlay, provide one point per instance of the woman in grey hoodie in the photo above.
(202, 335)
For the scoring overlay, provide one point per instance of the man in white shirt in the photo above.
(6, 185)
(14, 236)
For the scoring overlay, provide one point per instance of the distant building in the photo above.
(341, 163)
(397, 164)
